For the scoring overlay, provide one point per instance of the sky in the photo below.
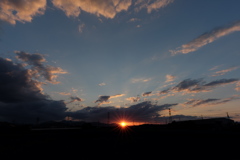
(132, 59)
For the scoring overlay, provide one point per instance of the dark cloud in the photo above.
(75, 99)
(146, 94)
(21, 96)
(221, 82)
(141, 112)
(102, 99)
(36, 60)
(164, 91)
(200, 102)
(17, 85)
(187, 84)
(197, 85)
(211, 101)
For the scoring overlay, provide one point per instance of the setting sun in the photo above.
(123, 124)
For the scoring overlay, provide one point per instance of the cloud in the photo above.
(102, 84)
(222, 72)
(141, 112)
(104, 99)
(12, 11)
(22, 98)
(151, 5)
(220, 82)
(64, 93)
(237, 86)
(197, 86)
(137, 80)
(195, 102)
(36, 60)
(187, 84)
(133, 99)
(106, 8)
(81, 27)
(147, 94)
(211, 101)
(134, 20)
(75, 99)
(207, 38)
(214, 68)
(170, 78)
(164, 91)
(117, 95)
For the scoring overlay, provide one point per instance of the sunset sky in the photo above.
(85, 58)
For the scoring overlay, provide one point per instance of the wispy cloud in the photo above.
(81, 27)
(137, 80)
(214, 68)
(237, 86)
(197, 86)
(134, 20)
(12, 11)
(151, 5)
(170, 78)
(207, 38)
(64, 93)
(102, 84)
(211, 101)
(222, 72)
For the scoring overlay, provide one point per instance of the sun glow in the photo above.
(123, 124)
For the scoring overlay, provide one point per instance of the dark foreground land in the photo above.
(137, 142)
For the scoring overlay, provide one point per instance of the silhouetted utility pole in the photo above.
(170, 116)
(228, 116)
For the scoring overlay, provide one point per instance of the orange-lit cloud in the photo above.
(222, 72)
(106, 8)
(12, 11)
(36, 60)
(117, 95)
(133, 99)
(170, 78)
(237, 86)
(207, 38)
(64, 93)
(151, 5)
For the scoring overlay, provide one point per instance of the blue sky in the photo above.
(108, 53)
